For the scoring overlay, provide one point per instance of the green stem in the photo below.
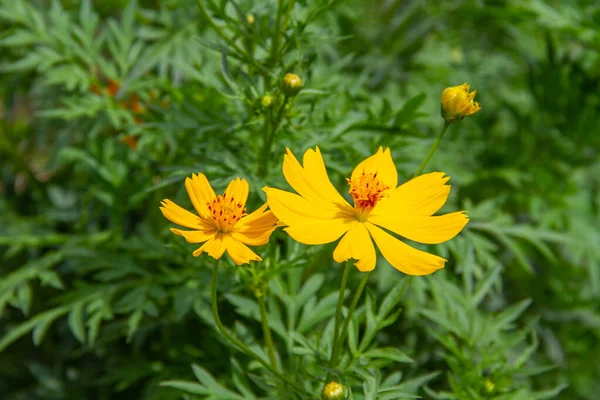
(267, 331)
(229, 41)
(338, 311)
(234, 340)
(432, 150)
(276, 34)
(265, 153)
(344, 331)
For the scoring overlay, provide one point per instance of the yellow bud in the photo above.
(291, 84)
(489, 386)
(250, 19)
(266, 101)
(333, 391)
(457, 103)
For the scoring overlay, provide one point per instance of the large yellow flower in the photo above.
(318, 214)
(221, 224)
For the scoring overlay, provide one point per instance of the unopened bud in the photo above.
(266, 101)
(489, 386)
(250, 19)
(333, 391)
(458, 103)
(291, 84)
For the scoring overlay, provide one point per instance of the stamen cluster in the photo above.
(367, 190)
(226, 212)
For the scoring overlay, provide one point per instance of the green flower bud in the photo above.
(291, 84)
(266, 101)
(333, 391)
(489, 386)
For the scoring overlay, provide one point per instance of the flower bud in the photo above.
(333, 391)
(266, 101)
(457, 103)
(291, 84)
(250, 19)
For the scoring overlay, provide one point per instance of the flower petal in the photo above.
(200, 192)
(238, 190)
(380, 163)
(357, 244)
(403, 257)
(195, 236)
(256, 228)
(421, 196)
(320, 232)
(310, 181)
(422, 229)
(215, 247)
(292, 208)
(307, 222)
(239, 253)
(180, 216)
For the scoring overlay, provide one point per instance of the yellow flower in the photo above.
(318, 214)
(457, 103)
(221, 224)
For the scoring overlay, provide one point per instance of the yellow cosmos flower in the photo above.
(318, 214)
(458, 103)
(221, 224)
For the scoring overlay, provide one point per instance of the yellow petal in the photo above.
(403, 257)
(292, 208)
(357, 244)
(259, 217)
(423, 229)
(310, 181)
(380, 163)
(421, 196)
(239, 253)
(215, 247)
(238, 190)
(195, 236)
(307, 222)
(319, 231)
(180, 216)
(200, 192)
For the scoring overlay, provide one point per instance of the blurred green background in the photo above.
(98, 301)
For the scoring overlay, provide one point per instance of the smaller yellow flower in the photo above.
(221, 224)
(333, 391)
(457, 103)
(250, 19)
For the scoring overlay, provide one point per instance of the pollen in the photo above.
(225, 212)
(367, 191)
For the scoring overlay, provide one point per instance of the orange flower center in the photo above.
(366, 191)
(226, 212)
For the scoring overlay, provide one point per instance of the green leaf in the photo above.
(390, 353)
(76, 323)
(188, 387)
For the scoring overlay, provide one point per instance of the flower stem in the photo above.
(229, 41)
(344, 331)
(267, 331)
(276, 34)
(265, 153)
(236, 342)
(432, 150)
(338, 311)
